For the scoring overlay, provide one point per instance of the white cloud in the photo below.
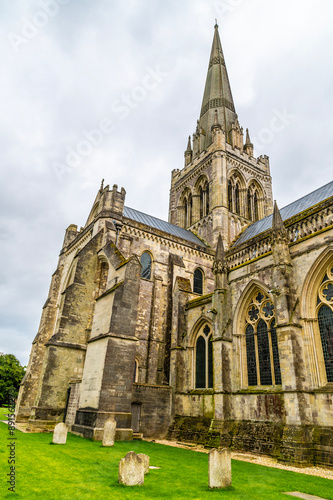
(64, 80)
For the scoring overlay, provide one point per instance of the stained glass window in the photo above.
(200, 372)
(276, 360)
(325, 321)
(146, 265)
(198, 281)
(210, 362)
(204, 359)
(264, 355)
(263, 364)
(251, 356)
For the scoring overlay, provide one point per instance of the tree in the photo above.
(11, 375)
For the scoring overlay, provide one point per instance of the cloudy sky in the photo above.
(111, 89)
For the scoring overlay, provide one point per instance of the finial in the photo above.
(102, 185)
(216, 25)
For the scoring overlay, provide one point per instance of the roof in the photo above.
(298, 206)
(171, 229)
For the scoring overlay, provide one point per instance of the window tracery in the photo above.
(204, 359)
(263, 364)
(325, 320)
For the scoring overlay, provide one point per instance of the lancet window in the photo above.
(146, 265)
(204, 358)
(325, 320)
(263, 363)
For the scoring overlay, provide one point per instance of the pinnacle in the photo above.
(277, 224)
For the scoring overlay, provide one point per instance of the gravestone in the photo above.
(60, 434)
(145, 460)
(109, 432)
(219, 468)
(131, 470)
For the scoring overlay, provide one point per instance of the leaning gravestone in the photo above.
(60, 434)
(145, 460)
(109, 432)
(219, 468)
(131, 470)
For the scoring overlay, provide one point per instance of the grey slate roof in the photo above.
(290, 210)
(130, 213)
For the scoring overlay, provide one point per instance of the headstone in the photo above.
(60, 434)
(109, 432)
(131, 470)
(219, 468)
(145, 460)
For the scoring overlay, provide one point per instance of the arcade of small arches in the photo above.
(194, 206)
(245, 201)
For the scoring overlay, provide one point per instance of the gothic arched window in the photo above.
(325, 320)
(207, 199)
(237, 205)
(255, 206)
(249, 205)
(198, 281)
(146, 265)
(263, 363)
(201, 195)
(189, 211)
(204, 359)
(230, 196)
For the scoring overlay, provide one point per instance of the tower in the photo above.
(222, 187)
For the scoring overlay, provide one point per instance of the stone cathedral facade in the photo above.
(214, 327)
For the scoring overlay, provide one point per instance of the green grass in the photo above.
(83, 469)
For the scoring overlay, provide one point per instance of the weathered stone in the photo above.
(60, 434)
(219, 468)
(131, 470)
(109, 432)
(145, 460)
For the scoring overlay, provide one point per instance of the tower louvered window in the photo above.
(263, 363)
(325, 320)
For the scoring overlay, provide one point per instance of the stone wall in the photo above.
(155, 408)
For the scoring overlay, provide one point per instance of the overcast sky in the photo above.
(136, 70)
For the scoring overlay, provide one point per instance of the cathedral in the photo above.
(215, 327)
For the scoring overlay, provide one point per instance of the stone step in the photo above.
(137, 436)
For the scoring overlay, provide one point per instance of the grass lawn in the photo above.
(84, 469)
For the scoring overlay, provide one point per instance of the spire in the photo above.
(217, 94)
